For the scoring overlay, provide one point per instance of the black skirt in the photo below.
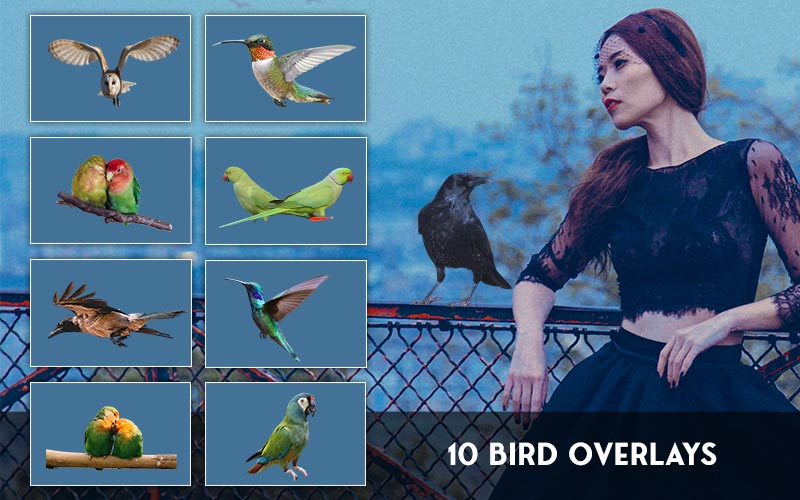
(621, 377)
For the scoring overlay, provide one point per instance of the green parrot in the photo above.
(89, 182)
(310, 202)
(123, 187)
(128, 442)
(98, 437)
(251, 196)
(288, 439)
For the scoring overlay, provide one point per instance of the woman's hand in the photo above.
(678, 355)
(526, 384)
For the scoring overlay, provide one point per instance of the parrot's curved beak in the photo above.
(109, 175)
(230, 41)
(225, 177)
(312, 407)
(350, 177)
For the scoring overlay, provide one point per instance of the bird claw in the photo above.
(427, 300)
(462, 303)
(294, 476)
(301, 470)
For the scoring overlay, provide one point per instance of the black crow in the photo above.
(454, 236)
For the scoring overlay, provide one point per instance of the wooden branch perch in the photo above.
(68, 459)
(113, 215)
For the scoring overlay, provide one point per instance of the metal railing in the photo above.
(428, 361)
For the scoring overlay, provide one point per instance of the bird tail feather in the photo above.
(313, 95)
(494, 278)
(258, 467)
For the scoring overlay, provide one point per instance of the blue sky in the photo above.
(459, 62)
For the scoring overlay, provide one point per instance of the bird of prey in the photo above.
(454, 236)
(96, 317)
(111, 83)
(288, 439)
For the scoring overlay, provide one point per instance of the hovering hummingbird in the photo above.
(267, 313)
(111, 83)
(276, 74)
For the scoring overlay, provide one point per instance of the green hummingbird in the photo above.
(267, 313)
(276, 74)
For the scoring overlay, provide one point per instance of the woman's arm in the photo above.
(526, 384)
(776, 193)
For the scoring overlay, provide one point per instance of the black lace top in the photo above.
(692, 236)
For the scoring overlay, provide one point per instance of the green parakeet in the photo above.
(310, 202)
(89, 182)
(123, 187)
(251, 196)
(288, 439)
(98, 437)
(128, 441)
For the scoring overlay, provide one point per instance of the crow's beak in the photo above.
(477, 181)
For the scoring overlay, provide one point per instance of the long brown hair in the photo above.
(668, 45)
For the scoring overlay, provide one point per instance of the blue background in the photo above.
(60, 412)
(283, 166)
(162, 166)
(327, 329)
(63, 92)
(241, 416)
(129, 285)
(234, 94)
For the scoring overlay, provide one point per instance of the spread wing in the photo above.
(82, 304)
(152, 49)
(77, 53)
(288, 300)
(300, 61)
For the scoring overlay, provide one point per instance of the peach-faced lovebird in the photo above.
(251, 196)
(89, 182)
(123, 187)
(128, 441)
(267, 313)
(96, 317)
(98, 436)
(454, 236)
(310, 202)
(288, 439)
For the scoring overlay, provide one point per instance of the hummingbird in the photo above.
(111, 83)
(276, 74)
(267, 313)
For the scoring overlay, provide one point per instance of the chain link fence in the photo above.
(426, 362)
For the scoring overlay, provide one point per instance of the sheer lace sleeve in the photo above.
(559, 260)
(777, 195)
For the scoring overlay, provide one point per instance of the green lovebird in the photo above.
(288, 439)
(98, 437)
(89, 182)
(123, 187)
(251, 196)
(267, 313)
(128, 441)
(310, 202)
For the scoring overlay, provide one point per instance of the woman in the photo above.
(684, 218)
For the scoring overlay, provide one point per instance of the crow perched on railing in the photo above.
(454, 236)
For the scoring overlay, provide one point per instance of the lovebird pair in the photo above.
(107, 185)
(107, 434)
(309, 203)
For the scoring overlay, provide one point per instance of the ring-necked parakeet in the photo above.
(123, 187)
(267, 313)
(98, 437)
(89, 182)
(310, 202)
(128, 440)
(251, 196)
(96, 317)
(288, 439)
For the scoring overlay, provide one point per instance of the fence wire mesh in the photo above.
(423, 360)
